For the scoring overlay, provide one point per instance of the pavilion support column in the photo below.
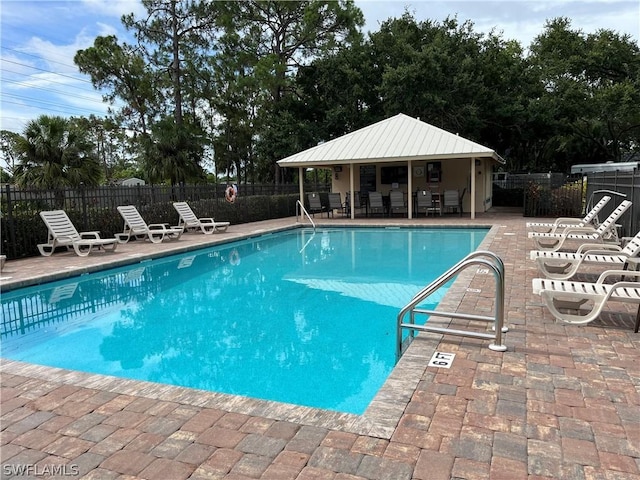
(473, 188)
(301, 184)
(351, 194)
(409, 191)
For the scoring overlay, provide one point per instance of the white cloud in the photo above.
(106, 29)
(114, 8)
(520, 20)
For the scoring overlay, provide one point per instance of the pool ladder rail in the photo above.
(300, 210)
(480, 258)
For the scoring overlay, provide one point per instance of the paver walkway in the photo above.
(562, 403)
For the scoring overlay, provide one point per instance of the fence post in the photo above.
(635, 179)
(83, 197)
(10, 222)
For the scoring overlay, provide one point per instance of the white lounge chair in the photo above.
(567, 295)
(136, 227)
(564, 222)
(606, 231)
(564, 265)
(62, 233)
(190, 222)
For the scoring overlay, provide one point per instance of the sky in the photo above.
(39, 39)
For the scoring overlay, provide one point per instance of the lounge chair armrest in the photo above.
(620, 273)
(63, 238)
(588, 247)
(158, 226)
(572, 230)
(94, 234)
(624, 284)
(569, 221)
(601, 252)
(206, 220)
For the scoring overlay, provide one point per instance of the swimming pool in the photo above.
(295, 317)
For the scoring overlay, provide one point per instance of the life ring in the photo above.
(234, 257)
(230, 194)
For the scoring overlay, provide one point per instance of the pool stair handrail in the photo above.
(300, 208)
(481, 258)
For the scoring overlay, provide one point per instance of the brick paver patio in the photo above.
(562, 403)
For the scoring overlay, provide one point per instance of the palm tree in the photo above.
(174, 151)
(54, 153)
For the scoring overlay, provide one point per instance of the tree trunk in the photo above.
(175, 67)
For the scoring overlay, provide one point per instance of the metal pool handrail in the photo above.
(494, 263)
(304, 212)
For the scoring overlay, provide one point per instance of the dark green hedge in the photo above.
(22, 228)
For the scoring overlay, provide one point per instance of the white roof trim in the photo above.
(397, 139)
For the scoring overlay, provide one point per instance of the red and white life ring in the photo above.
(230, 194)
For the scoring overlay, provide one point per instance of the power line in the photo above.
(80, 97)
(46, 71)
(60, 108)
(20, 97)
(39, 57)
(49, 80)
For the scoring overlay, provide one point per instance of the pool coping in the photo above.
(380, 418)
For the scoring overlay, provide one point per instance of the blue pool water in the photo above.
(295, 317)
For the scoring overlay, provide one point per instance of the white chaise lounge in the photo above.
(136, 227)
(606, 232)
(564, 265)
(564, 222)
(190, 222)
(62, 233)
(563, 296)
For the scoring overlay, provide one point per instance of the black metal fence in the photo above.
(626, 183)
(546, 199)
(95, 209)
(571, 198)
(509, 190)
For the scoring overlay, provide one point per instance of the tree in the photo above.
(122, 73)
(111, 145)
(165, 74)
(338, 94)
(234, 109)
(54, 153)
(10, 155)
(445, 74)
(175, 151)
(176, 36)
(282, 36)
(591, 92)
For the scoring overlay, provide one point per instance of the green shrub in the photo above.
(21, 236)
